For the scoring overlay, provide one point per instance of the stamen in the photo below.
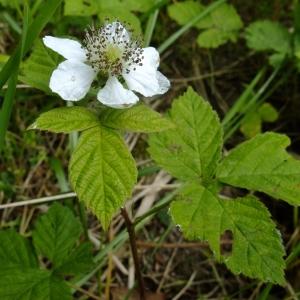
(110, 49)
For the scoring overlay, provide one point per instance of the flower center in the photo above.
(113, 53)
(110, 49)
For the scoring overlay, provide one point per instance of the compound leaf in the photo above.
(193, 148)
(138, 118)
(66, 119)
(262, 164)
(257, 249)
(56, 233)
(102, 172)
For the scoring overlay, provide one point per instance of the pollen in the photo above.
(111, 50)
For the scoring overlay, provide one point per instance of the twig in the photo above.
(186, 287)
(132, 239)
(83, 291)
(143, 244)
(38, 200)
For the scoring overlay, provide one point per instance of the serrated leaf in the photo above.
(257, 249)
(262, 164)
(37, 69)
(221, 25)
(80, 7)
(79, 261)
(268, 35)
(66, 119)
(56, 233)
(138, 118)
(28, 284)
(225, 17)
(15, 251)
(183, 12)
(192, 150)
(102, 172)
(213, 38)
(23, 284)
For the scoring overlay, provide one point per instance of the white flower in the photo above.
(110, 52)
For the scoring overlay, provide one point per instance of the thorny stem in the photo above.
(132, 239)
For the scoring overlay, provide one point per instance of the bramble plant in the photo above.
(105, 80)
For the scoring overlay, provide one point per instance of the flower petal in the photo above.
(143, 78)
(69, 49)
(72, 80)
(164, 83)
(115, 95)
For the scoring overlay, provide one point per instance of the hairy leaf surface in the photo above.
(193, 148)
(262, 164)
(102, 172)
(66, 119)
(138, 118)
(257, 250)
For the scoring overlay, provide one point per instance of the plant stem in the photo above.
(132, 239)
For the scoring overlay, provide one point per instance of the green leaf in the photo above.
(276, 59)
(183, 12)
(251, 125)
(80, 7)
(37, 69)
(15, 251)
(268, 35)
(56, 233)
(257, 250)
(268, 112)
(23, 284)
(32, 284)
(139, 5)
(192, 150)
(78, 262)
(138, 118)
(213, 38)
(222, 25)
(115, 9)
(102, 172)
(262, 164)
(66, 119)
